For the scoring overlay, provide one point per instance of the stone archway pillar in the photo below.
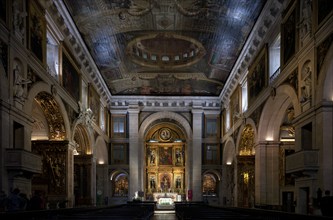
(267, 172)
(195, 155)
(134, 151)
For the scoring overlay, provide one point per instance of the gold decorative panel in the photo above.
(246, 143)
(54, 166)
(53, 116)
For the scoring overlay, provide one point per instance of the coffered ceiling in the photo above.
(165, 47)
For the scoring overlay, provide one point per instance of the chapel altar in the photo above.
(166, 200)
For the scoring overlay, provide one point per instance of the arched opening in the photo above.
(165, 157)
(49, 141)
(246, 168)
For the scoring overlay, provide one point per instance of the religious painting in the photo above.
(4, 56)
(165, 156)
(3, 10)
(288, 37)
(258, 75)
(209, 185)
(94, 102)
(70, 75)
(37, 31)
(121, 185)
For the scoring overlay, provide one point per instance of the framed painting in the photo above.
(257, 77)
(93, 102)
(37, 31)
(70, 76)
(288, 39)
(165, 156)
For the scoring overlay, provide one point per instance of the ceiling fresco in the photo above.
(165, 47)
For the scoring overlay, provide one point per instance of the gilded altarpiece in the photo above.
(53, 179)
(165, 164)
(246, 168)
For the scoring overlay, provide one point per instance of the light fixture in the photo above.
(152, 141)
(177, 141)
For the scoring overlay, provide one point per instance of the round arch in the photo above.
(165, 115)
(324, 90)
(229, 152)
(101, 151)
(83, 138)
(273, 113)
(248, 121)
(119, 182)
(43, 87)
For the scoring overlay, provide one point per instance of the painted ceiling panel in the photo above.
(165, 47)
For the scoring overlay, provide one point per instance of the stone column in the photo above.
(134, 151)
(5, 141)
(324, 140)
(195, 155)
(267, 173)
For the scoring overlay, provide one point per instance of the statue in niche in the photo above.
(178, 156)
(152, 183)
(152, 157)
(19, 82)
(306, 85)
(178, 183)
(165, 183)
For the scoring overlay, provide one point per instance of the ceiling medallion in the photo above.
(165, 50)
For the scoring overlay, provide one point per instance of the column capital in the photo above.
(197, 110)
